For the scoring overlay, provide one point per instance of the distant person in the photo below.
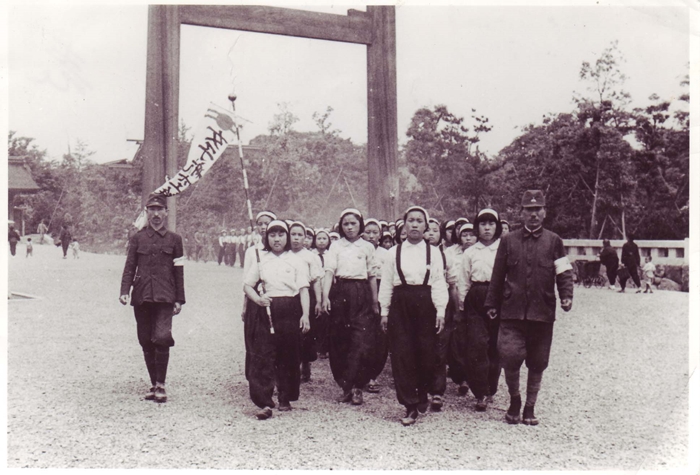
(198, 245)
(65, 238)
(221, 244)
(41, 230)
(631, 260)
(75, 247)
(505, 226)
(13, 238)
(30, 247)
(608, 257)
(242, 246)
(154, 268)
(530, 263)
(649, 271)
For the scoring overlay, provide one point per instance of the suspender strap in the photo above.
(427, 264)
(444, 260)
(398, 264)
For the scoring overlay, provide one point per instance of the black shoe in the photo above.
(151, 394)
(160, 395)
(463, 388)
(513, 414)
(529, 418)
(264, 413)
(436, 403)
(284, 406)
(305, 372)
(481, 404)
(346, 397)
(356, 399)
(411, 416)
(372, 387)
(422, 407)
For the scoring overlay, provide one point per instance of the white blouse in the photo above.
(249, 256)
(350, 260)
(453, 256)
(476, 266)
(283, 275)
(313, 261)
(413, 266)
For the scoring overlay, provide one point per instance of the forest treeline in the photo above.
(607, 169)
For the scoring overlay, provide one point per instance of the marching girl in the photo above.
(380, 345)
(274, 358)
(483, 368)
(413, 297)
(352, 305)
(387, 241)
(446, 230)
(251, 311)
(436, 394)
(309, 239)
(400, 232)
(322, 242)
(462, 236)
(298, 235)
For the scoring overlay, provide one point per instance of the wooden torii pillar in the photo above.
(375, 28)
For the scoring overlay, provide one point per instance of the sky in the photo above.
(77, 71)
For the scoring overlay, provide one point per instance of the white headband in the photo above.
(279, 224)
(372, 221)
(350, 211)
(418, 208)
(488, 211)
(269, 214)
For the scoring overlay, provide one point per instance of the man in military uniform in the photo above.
(529, 262)
(154, 267)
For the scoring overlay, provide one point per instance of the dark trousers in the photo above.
(457, 348)
(442, 345)
(524, 340)
(351, 319)
(13, 247)
(308, 339)
(273, 358)
(222, 253)
(241, 254)
(154, 331)
(412, 338)
(611, 272)
(633, 273)
(231, 255)
(483, 368)
(64, 245)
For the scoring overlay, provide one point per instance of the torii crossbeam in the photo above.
(375, 28)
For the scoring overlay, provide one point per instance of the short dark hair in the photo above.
(397, 236)
(340, 224)
(266, 241)
(313, 243)
(491, 217)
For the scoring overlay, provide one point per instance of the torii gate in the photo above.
(375, 28)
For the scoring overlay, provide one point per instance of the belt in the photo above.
(475, 284)
(344, 279)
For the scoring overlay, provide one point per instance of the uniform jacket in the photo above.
(630, 255)
(526, 269)
(154, 267)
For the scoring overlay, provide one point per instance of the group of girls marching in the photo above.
(415, 288)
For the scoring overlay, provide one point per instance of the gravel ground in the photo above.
(615, 396)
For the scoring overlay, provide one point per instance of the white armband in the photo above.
(562, 265)
(179, 261)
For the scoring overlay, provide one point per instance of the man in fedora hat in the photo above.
(529, 263)
(154, 267)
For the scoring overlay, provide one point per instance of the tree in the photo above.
(441, 164)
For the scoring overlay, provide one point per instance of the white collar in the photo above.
(420, 243)
(493, 246)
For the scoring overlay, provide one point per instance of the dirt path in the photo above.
(615, 396)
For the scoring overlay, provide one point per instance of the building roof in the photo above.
(19, 177)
